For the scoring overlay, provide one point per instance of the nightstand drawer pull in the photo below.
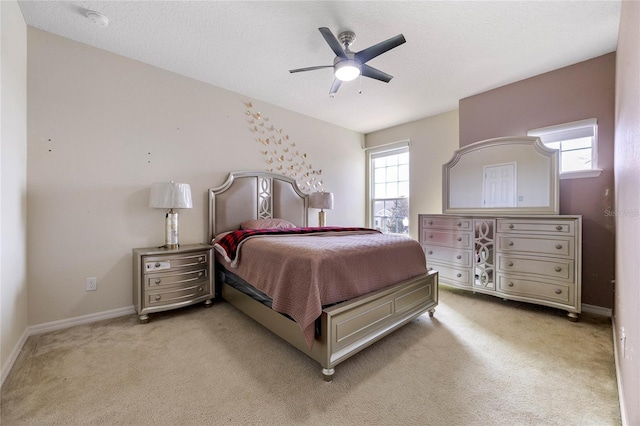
(510, 243)
(558, 246)
(511, 226)
(510, 264)
(200, 288)
(458, 257)
(430, 252)
(201, 259)
(510, 284)
(158, 281)
(558, 291)
(558, 269)
(158, 297)
(458, 275)
(559, 227)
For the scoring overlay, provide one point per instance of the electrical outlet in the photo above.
(92, 284)
(623, 340)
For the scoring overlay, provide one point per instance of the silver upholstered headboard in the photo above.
(255, 195)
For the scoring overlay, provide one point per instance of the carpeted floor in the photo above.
(479, 361)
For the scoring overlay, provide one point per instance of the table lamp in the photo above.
(170, 195)
(321, 200)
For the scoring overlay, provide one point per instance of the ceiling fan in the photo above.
(348, 65)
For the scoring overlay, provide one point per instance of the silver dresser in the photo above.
(530, 259)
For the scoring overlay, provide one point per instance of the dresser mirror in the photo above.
(511, 176)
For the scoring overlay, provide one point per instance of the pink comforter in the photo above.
(301, 273)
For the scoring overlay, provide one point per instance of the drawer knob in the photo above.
(511, 243)
(558, 291)
(199, 288)
(559, 227)
(458, 257)
(201, 259)
(459, 224)
(430, 252)
(430, 236)
(558, 246)
(158, 297)
(510, 284)
(200, 274)
(430, 269)
(511, 226)
(158, 281)
(558, 269)
(510, 264)
(157, 265)
(459, 238)
(430, 222)
(458, 275)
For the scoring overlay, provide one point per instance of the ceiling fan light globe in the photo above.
(347, 70)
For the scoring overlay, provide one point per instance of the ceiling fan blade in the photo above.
(333, 42)
(371, 72)
(335, 86)
(378, 49)
(311, 68)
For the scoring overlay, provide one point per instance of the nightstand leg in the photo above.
(208, 303)
(144, 319)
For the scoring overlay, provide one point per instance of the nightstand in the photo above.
(166, 279)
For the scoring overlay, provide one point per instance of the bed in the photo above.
(340, 328)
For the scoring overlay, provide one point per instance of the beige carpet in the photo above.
(479, 361)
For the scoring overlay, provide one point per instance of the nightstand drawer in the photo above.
(174, 279)
(166, 263)
(459, 276)
(566, 227)
(186, 295)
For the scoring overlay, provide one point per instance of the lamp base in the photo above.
(322, 218)
(171, 230)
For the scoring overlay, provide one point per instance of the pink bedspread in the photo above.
(301, 273)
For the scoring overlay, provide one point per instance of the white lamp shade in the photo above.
(170, 195)
(321, 200)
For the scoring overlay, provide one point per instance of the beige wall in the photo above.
(433, 141)
(627, 174)
(13, 183)
(102, 128)
(580, 91)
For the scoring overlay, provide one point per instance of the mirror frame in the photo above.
(553, 206)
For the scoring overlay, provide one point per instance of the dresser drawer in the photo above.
(449, 239)
(536, 244)
(544, 267)
(452, 275)
(565, 227)
(186, 295)
(173, 279)
(447, 222)
(458, 257)
(167, 263)
(554, 292)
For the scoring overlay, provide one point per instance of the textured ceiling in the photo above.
(454, 49)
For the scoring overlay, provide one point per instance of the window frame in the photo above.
(570, 131)
(393, 148)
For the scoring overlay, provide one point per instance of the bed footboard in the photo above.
(348, 327)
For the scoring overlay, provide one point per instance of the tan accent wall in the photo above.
(627, 176)
(433, 141)
(13, 181)
(102, 128)
(580, 91)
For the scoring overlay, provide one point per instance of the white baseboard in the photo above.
(59, 325)
(598, 310)
(13, 356)
(616, 359)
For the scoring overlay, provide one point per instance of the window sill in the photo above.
(581, 174)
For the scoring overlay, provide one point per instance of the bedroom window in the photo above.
(577, 143)
(389, 188)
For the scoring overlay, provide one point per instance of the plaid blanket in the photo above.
(229, 245)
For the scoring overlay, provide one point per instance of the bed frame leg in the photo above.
(327, 373)
(431, 312)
